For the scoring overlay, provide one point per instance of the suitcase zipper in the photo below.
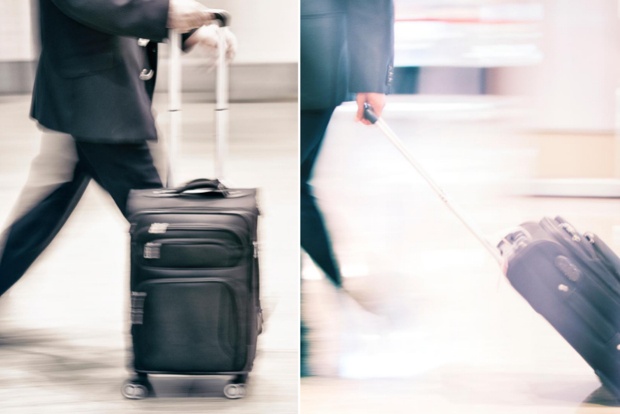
(243, 214)
(160, 228)
(233, 252)
(163, 228)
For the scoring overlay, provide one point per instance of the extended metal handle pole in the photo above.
(221, 100)
(442, 195)
(174, 103)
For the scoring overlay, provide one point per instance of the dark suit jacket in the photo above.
(88, 79)
(347, 46)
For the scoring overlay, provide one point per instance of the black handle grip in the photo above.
(369, 113)
(202, 185)
(222, 16)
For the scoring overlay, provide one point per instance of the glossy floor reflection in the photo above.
(435, 327)
(64, 326)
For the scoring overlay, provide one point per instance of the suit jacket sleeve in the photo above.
(134, 18)
(370, 44)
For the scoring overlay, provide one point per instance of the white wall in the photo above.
(15, 31)
(267, 30)
(574, 87)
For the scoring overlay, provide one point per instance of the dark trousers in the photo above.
(314, 236)
(117, 168)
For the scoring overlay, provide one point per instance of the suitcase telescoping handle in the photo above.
(174, 100)
(221, 99)
(374, 119)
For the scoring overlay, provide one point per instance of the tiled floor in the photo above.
(440, 329)
(64, 326)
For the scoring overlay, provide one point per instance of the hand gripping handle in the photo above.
(369, 114)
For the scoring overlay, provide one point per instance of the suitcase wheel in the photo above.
(234, 391)
(136, 388)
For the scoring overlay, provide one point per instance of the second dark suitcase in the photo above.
(194, 283)
(571, 279)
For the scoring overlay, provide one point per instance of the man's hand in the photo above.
(185, 15)
(206, 38)
(375, 100)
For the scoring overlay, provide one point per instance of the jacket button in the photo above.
(143, 42)
(146, 74)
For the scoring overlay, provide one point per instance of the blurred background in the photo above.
(511, 106)
(560, 58)
(64, 328)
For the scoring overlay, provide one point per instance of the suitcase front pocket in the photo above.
(191, 253)
(186, 326)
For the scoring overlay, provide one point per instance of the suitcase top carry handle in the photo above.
(370, 115)
(201, 186)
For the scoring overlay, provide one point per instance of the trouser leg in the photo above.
(54, 187)
(58, 178)
(119, 168)
(315, 239)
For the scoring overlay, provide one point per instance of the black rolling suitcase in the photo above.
(195, 306)
(571, 279)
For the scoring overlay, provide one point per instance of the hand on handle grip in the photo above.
(369, 114)
(206, 39)
(185, 15)
(374, 99)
